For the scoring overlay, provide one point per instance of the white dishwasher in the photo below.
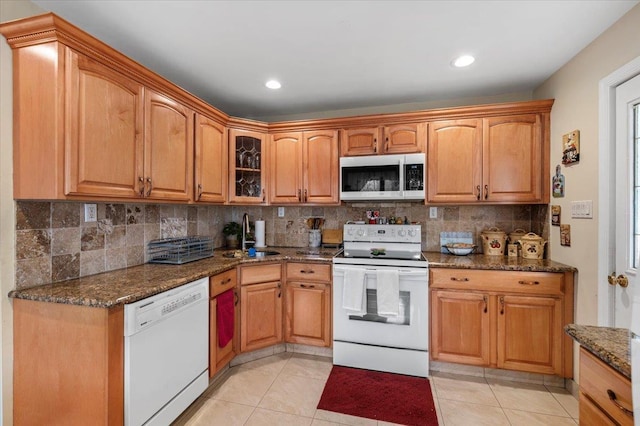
(166, 350)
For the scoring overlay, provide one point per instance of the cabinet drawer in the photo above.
(260, 273)
(590, 414)
(308, 272)
(499, 281)
(597, 379)
(222, 282)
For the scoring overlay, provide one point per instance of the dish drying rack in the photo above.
(177, 251)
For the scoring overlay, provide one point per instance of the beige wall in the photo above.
(575, 89)
(9, 10)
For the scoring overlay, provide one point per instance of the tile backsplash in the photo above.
(53, 243)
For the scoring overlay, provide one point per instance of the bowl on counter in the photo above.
(460, 249)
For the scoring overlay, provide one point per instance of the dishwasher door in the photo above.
(166, 353)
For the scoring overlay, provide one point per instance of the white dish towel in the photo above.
(354, 293)
(388, 292)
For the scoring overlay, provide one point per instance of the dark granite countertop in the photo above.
(500, 263)
(128, 285)
(611, 345)
(131, 284)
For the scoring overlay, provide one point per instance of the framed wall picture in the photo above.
(555, 215)
(571, 147)
(565, 235)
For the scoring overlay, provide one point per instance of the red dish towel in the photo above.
(224, 317)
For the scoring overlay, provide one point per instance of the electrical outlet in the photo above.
(280, 211)
(90, 213)
(433, 212)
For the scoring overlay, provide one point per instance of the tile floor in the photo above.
(284, 389)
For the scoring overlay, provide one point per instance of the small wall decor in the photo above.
(565, 235)
(558, 183)
(555, 215)
(571, 147)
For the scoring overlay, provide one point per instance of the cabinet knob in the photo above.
(300, 195)
(485, 298)
(486, 192)
(478, 189)
(501, 305)
(305, 195)
(150, 186)
(141, 180)
(199, 191)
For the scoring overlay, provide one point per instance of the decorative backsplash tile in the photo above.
(53, 243)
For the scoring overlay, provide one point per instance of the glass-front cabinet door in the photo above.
(247, 160)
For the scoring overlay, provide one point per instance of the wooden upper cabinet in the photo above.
(247, 167)
(392, 139)
(492, 160)
(321, 167)
(512, 158)
(211, 165)
(286, 168)
(104, 146)
(454, 161)
(359, 141)
(168, 148)
(304, 168)
(403, 139)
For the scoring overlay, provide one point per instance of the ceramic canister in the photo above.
(532, 246)
(493, 241)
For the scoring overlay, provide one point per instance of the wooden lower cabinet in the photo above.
(261, 295)
(502, 319)
(308, 304)
(605, 394)
(68, 364)
(221, 356)
(460, 329)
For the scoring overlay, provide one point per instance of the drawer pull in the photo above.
(459, 279)
(528, 282)
(307, 271)
(307, 286)
(227, 281)
(613, 398)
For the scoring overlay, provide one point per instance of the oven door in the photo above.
(409, 330)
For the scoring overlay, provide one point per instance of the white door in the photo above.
(627, 199)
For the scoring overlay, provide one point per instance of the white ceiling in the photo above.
(332, 55)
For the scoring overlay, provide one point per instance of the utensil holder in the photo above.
(315, 237)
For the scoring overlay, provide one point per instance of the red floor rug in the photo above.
(375, 395)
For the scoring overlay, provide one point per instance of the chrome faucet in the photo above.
(245, 230)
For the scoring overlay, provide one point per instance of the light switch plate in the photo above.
(433, 212)
(90, 213)
(280, 211)
(582, 209)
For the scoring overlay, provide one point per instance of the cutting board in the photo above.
(332, 236)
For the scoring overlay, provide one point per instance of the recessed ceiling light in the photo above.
(463, 61)
(273, 84)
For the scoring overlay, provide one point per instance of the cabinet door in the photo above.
(247, 167)
(359, 141)
(211, 161)
(308, 314)
(321, 167)
(168, 148)
(460, 327)
(220, 356)
(403, 139)
(454, 161)
(104, 146)
(529, 334)
(512, 158)
(286, 168)
(261, 315)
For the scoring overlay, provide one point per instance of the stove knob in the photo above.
(350, 231)
(412, 232)
(360, 232)
(402, 233)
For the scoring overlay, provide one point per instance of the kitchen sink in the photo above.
(259, 253)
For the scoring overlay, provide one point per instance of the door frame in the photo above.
(606, 189)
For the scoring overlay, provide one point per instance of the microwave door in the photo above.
(363, 178)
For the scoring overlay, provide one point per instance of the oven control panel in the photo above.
(382, 233)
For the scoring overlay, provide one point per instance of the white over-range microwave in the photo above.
(383, 177)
